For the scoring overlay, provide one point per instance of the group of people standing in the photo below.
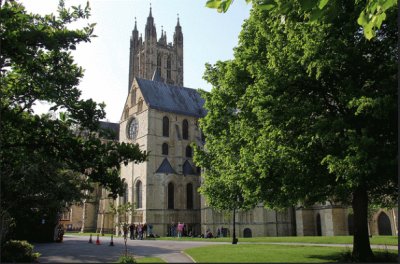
(179, 230)
(137, 231)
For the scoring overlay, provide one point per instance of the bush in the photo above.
(18, 251)
(126, 260)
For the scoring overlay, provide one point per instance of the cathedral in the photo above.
(161, 116)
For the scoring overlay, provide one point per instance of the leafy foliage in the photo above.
(370, 18)
(304, 113)
(18, 251)
(47, 162)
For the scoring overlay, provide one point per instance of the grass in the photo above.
(376, 240)
(245, 253)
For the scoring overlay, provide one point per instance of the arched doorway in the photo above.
(319, 229)
(384, 227)
(247, 232)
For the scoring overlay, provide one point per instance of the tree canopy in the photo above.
(47, 161)
(305, 113)
(372, 15)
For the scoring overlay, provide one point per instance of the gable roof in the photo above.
(170, 98)
(165, 167)
(188, 169)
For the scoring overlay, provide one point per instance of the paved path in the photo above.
(76, 249)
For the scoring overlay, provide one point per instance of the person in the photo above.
(132, 231)
(59, 233)
(173, 230)
(218, 232)
(140, 231)
(180, 229)
(145, 230)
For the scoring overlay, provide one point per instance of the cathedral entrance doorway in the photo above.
(247, 232)
(384, 227)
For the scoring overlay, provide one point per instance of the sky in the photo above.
(209, 36)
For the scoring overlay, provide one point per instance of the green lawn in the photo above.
(245, 253)
(376, 240)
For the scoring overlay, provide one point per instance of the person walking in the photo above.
(132, 231)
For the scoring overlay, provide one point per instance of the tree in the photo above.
(314, 111)
(46, 162)
(122, 211)
(370, 18)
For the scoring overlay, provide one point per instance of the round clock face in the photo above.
(132, 128)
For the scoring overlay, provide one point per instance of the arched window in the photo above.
(169, 67)
(165, 149)
(319, 229)
(188, 152)
(165, 132)
(139, 194)
(189, 196)
(185, 129)
(170, 195)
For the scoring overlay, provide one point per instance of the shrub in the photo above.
(126, 259)
(18, 251)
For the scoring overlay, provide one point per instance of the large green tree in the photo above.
(46, 162)
(372, 15)
(308, 111)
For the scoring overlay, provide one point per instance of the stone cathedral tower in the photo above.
(150, 55)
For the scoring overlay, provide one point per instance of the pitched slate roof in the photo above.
(165, 167)
(173, 99)
(188, 169)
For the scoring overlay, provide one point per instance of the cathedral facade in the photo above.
(161, 116)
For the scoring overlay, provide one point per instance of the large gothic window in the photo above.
(188, 152)
(169, 67)
(165, 149)
(165, 132)
(170, 195)
(185, 129)
(139, 194)
(189, 196)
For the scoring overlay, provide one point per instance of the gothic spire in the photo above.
(135, 29)
(150, 15)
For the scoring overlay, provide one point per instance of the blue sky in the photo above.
(208, 37)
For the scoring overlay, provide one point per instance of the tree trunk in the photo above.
(234, 240)
(361, 247)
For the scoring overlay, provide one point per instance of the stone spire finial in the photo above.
(150, 15)
(135, 25)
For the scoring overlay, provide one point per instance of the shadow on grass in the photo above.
(346, 257)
